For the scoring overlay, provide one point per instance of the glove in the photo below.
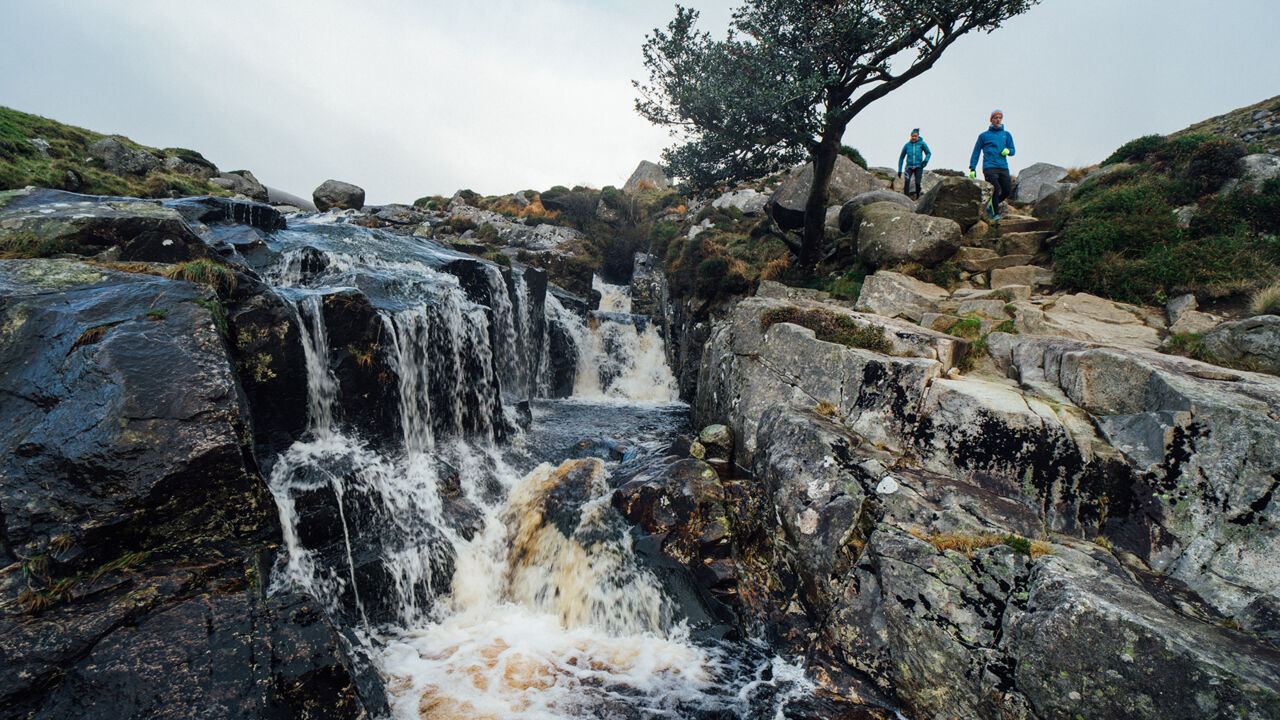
(973, 174)
(1005, 152)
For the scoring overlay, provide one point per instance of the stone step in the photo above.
(1020, 224)
(1023, 243)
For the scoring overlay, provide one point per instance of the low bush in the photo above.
(28, 245)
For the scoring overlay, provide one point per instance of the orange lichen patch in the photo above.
(969, 542)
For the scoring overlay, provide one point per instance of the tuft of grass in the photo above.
(831, 327)
(966, 543)
(1189, 345)
(1266, 301)
(91, 336)
(155, 314)
(33, 601)
(969, 327)
(219, 313)
(205, 272)
(26, 245)
(826, 409)
(1006, 327)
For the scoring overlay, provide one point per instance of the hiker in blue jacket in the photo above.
(995, 145)
(916, 153)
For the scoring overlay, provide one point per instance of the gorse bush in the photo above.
(854, 155)
(1120, 238)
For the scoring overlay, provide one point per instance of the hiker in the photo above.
(995, 145)
(916, 153)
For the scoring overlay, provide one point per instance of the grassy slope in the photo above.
(1234, 123)
(21, 164)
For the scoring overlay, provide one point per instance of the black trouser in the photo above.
(918, 173)
(1002, 186)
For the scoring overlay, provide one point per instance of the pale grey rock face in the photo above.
(241, 183)
(1032, 275)
(1024, 243)
(647, 174)
(958, 199)
(1258, 169)
(1194, 322)
(121, 159)
(896, 295)
(1030, 180)
(1175, 307)
(750, 202)
(890, 234)
(1051, 198)
(177, 164)
(335, 194)
(1254, 340)
(1090, 318)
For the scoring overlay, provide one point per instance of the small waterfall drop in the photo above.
(479, 579)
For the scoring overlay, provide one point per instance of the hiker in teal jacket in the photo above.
(916, 153)
(994, 145)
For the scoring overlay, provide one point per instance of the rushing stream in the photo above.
(477, 565)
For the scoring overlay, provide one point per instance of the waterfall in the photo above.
(478, 581)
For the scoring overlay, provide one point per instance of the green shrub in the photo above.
(487, 233)
(660, 236)
(1136, 150)
(709, 274)
(970, 327)
(854, 155)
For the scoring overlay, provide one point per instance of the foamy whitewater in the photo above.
(440, 557)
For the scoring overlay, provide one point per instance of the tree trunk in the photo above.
(815, 207)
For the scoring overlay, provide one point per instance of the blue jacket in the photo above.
(916, 154)
(989, 145)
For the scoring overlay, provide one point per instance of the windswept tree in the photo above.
(787, 79)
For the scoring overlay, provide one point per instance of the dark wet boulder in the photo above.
(124, 427)
(210, 210)
(368, 399)
(140, 230)
(338, 195)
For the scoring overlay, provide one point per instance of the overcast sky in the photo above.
(410, 98)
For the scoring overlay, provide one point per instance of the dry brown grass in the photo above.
(826, 409)
(966, 543)
(775, 269)
(1075, 175)
(1266, 301)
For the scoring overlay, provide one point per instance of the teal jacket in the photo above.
(989, 145)
(915, 153)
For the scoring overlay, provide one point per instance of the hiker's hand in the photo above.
(899, 173)
(973, 174)
(1005, 152)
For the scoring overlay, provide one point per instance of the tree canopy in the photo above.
(787, 79)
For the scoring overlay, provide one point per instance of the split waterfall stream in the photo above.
(464, 538)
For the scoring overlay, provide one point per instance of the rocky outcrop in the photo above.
(1254, 341)
(647, 175)
(848, 180)
(242, 182)
(1033, 178)
(338, 195)
(749, 201)
(126, 229)
(893, 294)
(131, 496)
(889, 234)
(118, 158)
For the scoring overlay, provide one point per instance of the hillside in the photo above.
(46, 153)
(1257, 125)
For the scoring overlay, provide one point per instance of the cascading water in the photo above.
(484, 578)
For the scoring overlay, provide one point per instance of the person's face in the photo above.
(997, 119)
(915, 137)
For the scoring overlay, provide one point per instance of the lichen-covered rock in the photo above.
(848, 180)
(242, 182)
(958, 199)
(1087, 317)
(118, 158)
(896, 295)
(851, 210)
(889, 234)
(718, 441)
(1033, 177)
(750, 202)
(1254, 340)
(141, 230)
